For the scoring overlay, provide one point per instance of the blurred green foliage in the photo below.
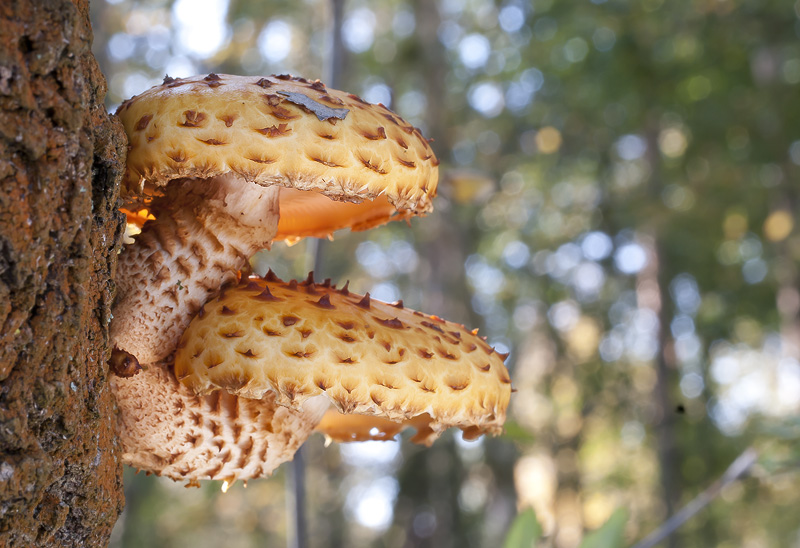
(618, 208)
(524, 532)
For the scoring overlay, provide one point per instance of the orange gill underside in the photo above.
(310, 214)
(351, 427)
(307, 214)
(343, 428)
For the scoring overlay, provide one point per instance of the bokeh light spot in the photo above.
(275, 41)
(631, 147)
(672, 142)
(200, 26)
(596, 246)
(548, 140)
(358, 30)
(778, 225)
(630, 258)
(474, 50)
(511, 18)
(487, 98)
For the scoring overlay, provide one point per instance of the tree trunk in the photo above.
(653, 293)
(61, 156)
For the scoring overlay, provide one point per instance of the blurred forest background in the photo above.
(617, 209)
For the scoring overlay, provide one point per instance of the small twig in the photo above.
(298, 505)
(737, 468)
(334, 64)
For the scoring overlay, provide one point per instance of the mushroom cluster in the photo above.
(218, 168)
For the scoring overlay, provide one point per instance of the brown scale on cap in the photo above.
(366, 356)
(228, 164)
(325, 302)
(281, 130)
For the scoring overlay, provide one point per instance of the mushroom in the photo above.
(388, 366)
(261, 364)
(227, 164)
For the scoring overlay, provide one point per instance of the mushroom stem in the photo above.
(204, 232)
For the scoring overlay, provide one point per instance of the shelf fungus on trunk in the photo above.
(382, 366)
(224, 165)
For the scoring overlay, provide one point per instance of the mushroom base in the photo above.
(167, 430)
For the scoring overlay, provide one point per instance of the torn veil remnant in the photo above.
(227, 164)
(383, 366)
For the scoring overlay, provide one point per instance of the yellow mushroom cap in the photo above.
(300, 340)
(167, 430)
(364, 164)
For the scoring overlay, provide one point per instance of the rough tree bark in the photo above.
(60, 161)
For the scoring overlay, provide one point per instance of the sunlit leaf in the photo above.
(610, 534)
(524, 532)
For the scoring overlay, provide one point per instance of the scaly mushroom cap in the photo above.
(368, 357)
(280, 130)
(167, 430)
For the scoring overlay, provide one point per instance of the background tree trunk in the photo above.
(61, 156)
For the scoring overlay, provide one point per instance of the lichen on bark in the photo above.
(61, 156)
